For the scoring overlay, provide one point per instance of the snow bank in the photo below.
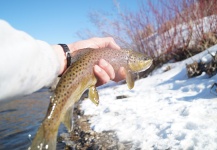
(164, 110)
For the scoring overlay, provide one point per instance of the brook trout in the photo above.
(75, 81)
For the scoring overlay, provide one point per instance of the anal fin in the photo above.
(68, 118)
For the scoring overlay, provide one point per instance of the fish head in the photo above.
(137, 61)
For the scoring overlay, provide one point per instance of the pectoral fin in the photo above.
(93, 95)
(130, 79)
(67, 121)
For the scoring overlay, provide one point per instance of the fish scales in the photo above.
(76, 80)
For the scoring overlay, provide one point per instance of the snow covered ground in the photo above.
(164, 110)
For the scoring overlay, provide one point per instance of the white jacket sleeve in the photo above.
(26, 64)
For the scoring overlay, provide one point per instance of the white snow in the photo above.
(164, 110)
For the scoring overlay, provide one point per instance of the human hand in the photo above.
(94, 43)
(103, 71)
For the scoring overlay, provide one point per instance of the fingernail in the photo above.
(97, 68)
(104, 63)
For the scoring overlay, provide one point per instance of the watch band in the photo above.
(67, 52)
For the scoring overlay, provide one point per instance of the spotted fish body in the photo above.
(77, 79)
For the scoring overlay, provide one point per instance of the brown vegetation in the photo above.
(165, 30)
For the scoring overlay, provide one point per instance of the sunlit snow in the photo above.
(164, 110)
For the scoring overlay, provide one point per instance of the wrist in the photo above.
(61, 57)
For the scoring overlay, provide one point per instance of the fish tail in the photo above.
(44, 140)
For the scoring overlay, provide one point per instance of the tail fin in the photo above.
(44, 140)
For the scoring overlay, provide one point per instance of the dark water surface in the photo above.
(20, 118)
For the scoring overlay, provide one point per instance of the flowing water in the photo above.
(20, 118)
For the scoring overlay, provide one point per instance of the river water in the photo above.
(20, 118)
